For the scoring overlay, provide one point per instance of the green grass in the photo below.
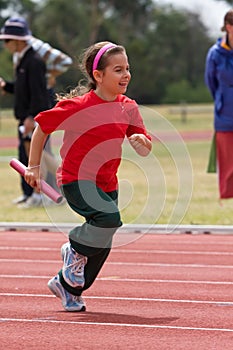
(157, 189)
(8, 124)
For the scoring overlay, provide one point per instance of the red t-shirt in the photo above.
(94, 131)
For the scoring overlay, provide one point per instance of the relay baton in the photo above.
(45, 187)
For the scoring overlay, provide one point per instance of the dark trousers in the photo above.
(23, 153)
(23, 148)
(93, 238)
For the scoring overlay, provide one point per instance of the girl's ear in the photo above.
(98, 76)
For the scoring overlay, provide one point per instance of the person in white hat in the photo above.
(57, 63)
(29, 89)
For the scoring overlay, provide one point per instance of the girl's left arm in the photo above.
(32, 173)
(141, 144)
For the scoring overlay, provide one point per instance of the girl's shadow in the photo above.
(104, 317)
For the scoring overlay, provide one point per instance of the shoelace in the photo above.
(77, 266)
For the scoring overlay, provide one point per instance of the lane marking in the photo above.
(179, 301)
(39, 249)
(120, 279)
(183, 252)
(30, 261)
(170, 265)
(125, 251)
(39, 237)
(110, 324)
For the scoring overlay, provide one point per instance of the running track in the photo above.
(199, 135)
(161, 292)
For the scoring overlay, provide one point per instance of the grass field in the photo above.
(170, 186)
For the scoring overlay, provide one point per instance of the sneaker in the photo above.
(73, 267)
(70, 302)
(20, 199)
(34, 201)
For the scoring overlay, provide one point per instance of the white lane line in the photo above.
(58, 237)
(30, 261)
(179, 301)
(110, 324)
(116, 279)
(169, 265)
(183, 252)
(126, 251)
(120, 279)
(35, 238)
(34, 249)
(125, 263)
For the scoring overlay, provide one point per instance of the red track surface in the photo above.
(161, 292)
(205, 135)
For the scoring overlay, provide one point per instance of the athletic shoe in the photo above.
(34, 201)
(73, 267)
(70, 302)
(20, 199)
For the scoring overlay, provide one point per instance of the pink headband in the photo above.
(100, 54)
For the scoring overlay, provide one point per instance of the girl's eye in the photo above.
(118, 70)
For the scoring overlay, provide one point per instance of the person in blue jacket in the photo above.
(219, 80)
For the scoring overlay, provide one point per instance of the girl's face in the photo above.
(114, 79)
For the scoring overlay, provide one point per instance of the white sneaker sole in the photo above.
(58, 293)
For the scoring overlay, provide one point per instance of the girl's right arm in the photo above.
(32, 173)
(141, 144)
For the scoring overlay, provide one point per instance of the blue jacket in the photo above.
(219, 79)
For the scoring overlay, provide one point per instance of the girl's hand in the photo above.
(141, 144)
(33, 171)
(32, 177)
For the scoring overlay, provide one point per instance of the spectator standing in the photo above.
(219, 80)
(29, 89)
(32, 52)
(57, 63)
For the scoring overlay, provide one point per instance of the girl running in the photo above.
(95, 119)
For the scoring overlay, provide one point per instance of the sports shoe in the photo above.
(70, 302)
(20, 199)
(73, 267)
(34, 201)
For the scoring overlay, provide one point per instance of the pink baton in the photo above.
(45, 187)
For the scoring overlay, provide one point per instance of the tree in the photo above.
(72, 25)
(165, 46)
(173, 49)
